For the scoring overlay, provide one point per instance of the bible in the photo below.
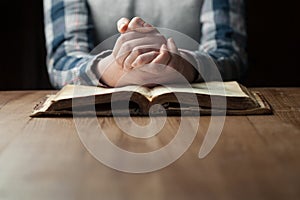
(208, 98)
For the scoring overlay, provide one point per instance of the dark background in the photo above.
(273, 42)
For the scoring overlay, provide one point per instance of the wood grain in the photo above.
(256, 157)
(285, 102)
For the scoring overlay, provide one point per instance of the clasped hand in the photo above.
(143, 56)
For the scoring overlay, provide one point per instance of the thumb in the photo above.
(172, 46)
(139, 25)
(122, 24)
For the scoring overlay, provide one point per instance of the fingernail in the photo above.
(123, 27)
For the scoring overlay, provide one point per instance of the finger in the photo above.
(163, 57)
(135, 23)
(137, 51)
(144, 59)
(122, 24)
(124, 38)
(129, 46)
(139, 25)
(172, 46)
(176, 60)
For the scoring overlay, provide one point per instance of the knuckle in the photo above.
(126, 48)
(123, 38)
(165, 54)
(128, 61)
(135, 19)
(137, 50)
(141, 59)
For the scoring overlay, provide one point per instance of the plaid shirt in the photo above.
(68, 31)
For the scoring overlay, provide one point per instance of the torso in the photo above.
(182, 16)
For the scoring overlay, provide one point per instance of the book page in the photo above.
(228, 89)
(72, 91)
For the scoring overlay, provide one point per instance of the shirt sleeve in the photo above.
(69, 39)
(223, 44)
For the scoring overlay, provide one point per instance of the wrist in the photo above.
(102, 67)
(109, 71)
(103, 64)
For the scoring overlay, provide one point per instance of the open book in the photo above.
(201, 98)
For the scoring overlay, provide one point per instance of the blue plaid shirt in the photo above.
(69, 40)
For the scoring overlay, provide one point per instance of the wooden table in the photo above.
(256, 157)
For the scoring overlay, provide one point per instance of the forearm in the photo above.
(231, 66)
(68, 32)
(224, 38)
(80, 70)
